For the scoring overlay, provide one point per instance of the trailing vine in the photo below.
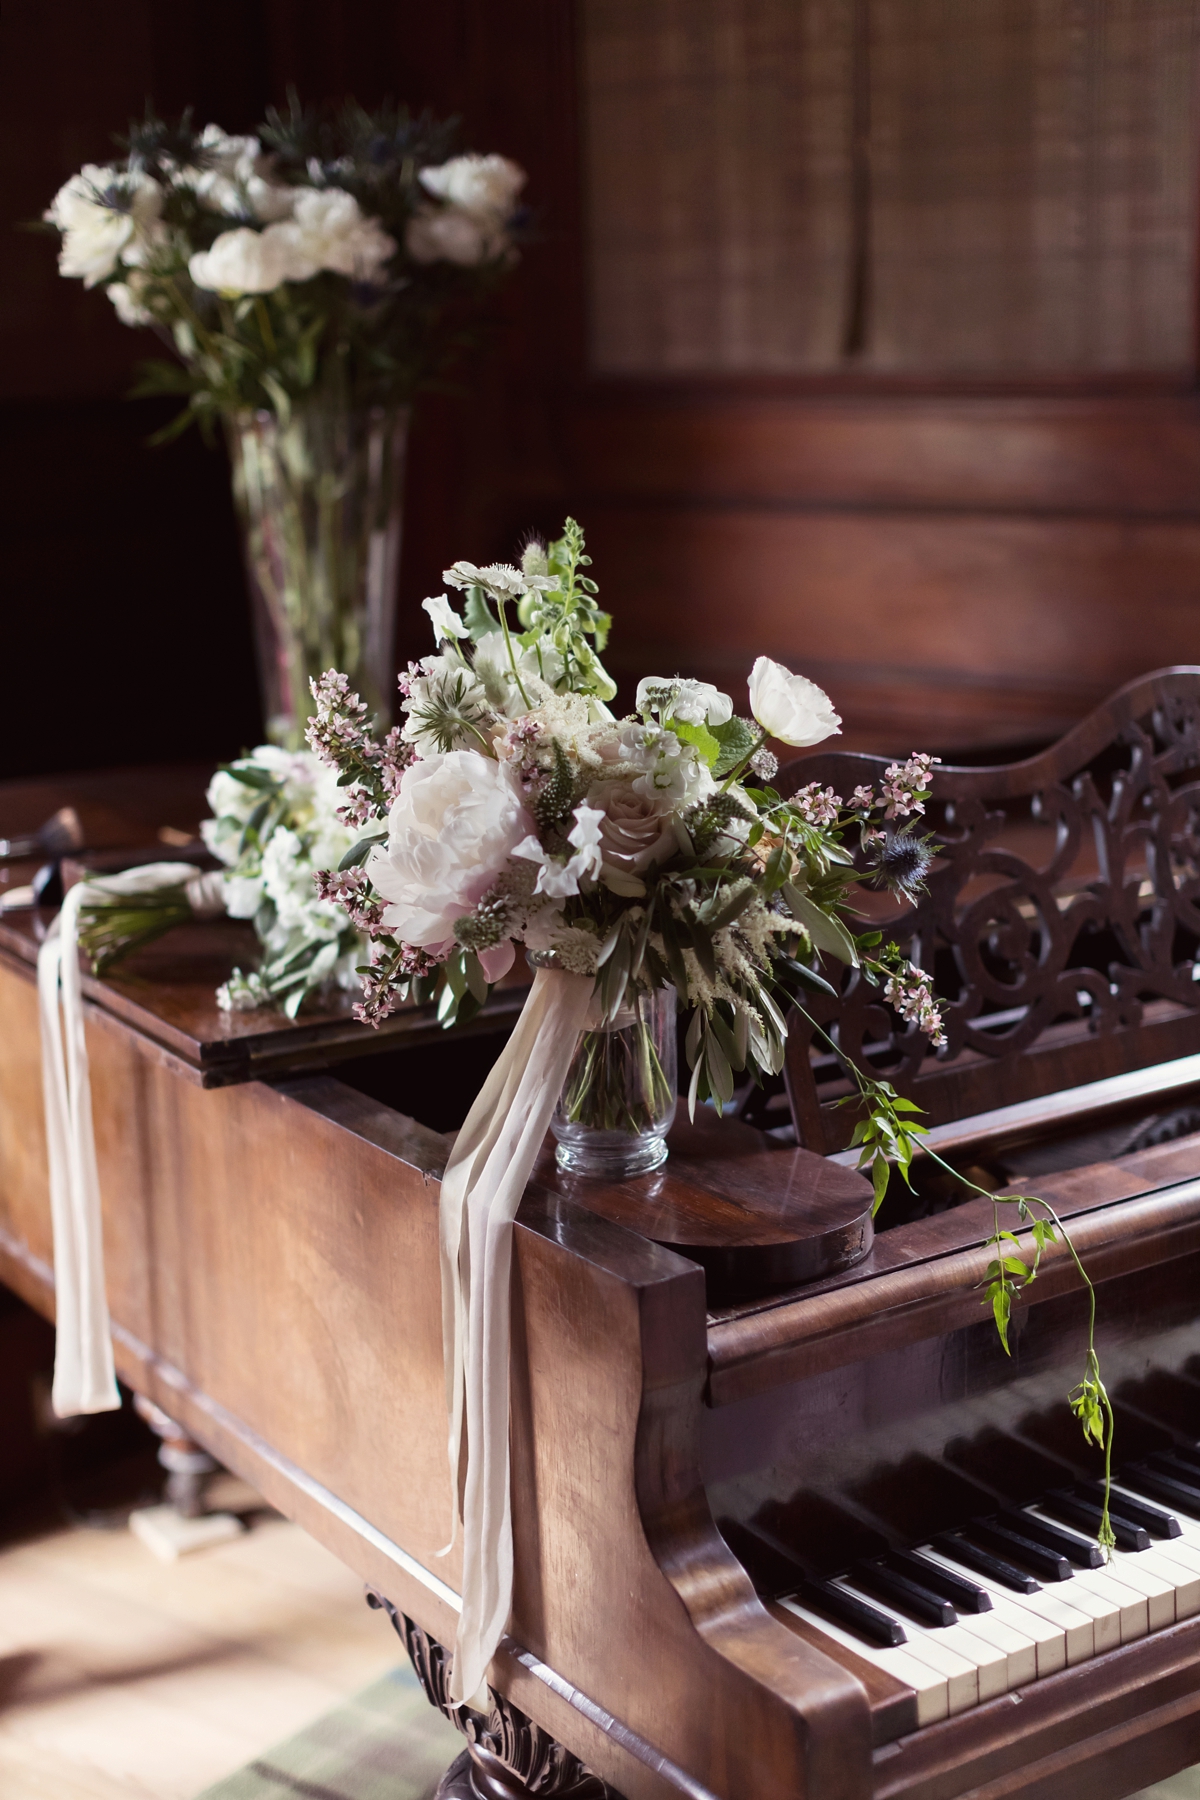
(888, 1134)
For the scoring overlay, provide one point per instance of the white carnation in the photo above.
(105, 215)
(453, 825)
(486, 186)
(790, 707)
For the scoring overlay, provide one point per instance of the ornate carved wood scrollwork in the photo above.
(1063, 910)
(508, 1756)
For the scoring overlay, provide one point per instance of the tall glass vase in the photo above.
(319, 497)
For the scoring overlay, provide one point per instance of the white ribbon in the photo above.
(484, 1180)
(84, 1377)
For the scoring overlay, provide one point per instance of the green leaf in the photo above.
(879, 1179)
(732, 909)
(807, 977)
(359, 852)
(825, 929)
(735, 739)
(477, 981)
(478, 616)
(699, 736)
(1002, 1311)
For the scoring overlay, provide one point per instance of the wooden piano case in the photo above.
(680, 1460)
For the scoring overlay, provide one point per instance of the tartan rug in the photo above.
(386, 1743)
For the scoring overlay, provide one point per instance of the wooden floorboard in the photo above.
(122, 1678)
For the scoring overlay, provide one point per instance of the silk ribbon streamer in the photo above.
(84, 1377)
(484, 1180)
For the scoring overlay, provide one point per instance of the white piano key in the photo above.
(1179, 1563)
(1075, 1630)
(1140, 1570)
(929, 1645)
(933, 1701)
(1118, 1612)
(1004, 1657)
(1016, 1645)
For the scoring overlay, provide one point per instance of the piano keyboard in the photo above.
(1022, 1593)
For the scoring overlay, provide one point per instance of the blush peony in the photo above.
(453, 825)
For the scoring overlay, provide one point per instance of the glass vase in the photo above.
(619, 1096)
(319, 497)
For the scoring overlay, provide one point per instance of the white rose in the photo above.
(453, 236)
(453, 825)
(104, 214)
(790, 707)
(691, 702)
(635, 830)
(329, 231)
(483, 185)
(243, 262)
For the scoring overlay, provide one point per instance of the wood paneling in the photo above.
(941, 629)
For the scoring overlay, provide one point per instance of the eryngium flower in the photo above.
(900, 861)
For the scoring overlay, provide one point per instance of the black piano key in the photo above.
(1078, 1550)
(1169, 1462)
(961, 1550)
(963, 1594)
(1158, 1523)
(1188, 1454)
(1163, 1487)
(1088, 1513)
(1046, 1563)
(911, 1596)
(867, 1622)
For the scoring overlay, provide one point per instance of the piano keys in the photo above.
(1009, 1632)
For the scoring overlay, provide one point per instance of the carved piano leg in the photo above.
(507, 1757)
(188, 1466)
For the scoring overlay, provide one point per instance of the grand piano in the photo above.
(788, 1521)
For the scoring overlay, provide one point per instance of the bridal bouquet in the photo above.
(275, 822)
(349, 246)
(647, 852)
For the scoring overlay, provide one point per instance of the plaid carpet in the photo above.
(386, 1743)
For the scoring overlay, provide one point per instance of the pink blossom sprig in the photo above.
(817, 805)
(910, 991)
(388, 981)
(906, 787)
(351, 890)
(340, 735)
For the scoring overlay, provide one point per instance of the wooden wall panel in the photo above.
(948, 631)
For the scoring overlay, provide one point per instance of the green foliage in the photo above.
(554, 799)
(736, 739)
(570, 618)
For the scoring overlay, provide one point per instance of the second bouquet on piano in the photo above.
(648, 851)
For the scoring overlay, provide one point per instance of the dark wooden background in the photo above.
(964, 562)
